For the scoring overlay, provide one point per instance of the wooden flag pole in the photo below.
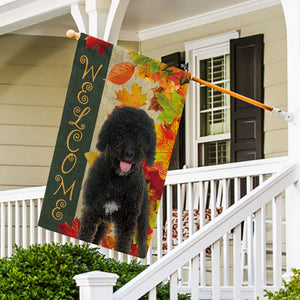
(287, 116)
(71, 34)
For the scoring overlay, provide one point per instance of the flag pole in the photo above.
(71, 34)
(287, 116)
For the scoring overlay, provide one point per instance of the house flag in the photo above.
(119, 123)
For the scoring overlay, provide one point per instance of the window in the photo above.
(214, 112)
(208, 110)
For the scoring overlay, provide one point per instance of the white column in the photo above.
(292, 17)
(96, 285)
(98, 11)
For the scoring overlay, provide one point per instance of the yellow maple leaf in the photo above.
(91, 156)
(135, 99)
(143, 71)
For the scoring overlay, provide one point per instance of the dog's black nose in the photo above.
(128, 154)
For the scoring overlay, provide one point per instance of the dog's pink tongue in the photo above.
(125, 166)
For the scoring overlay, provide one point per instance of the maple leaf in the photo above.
(91, 156)
(150, 170)
(171, 108)
(121, 73)
(176, 76)
(185, 78)
(165, 138)
(139, 59)
(66, 229)
(134, 250)
(183, 90)
(94, 43)
(135, 99)
(76, 224)
(143, 71)
(154, 105)
(108, 242)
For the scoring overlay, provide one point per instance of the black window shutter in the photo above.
(246, 78)
(178, 156)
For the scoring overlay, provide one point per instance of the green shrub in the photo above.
(290, 291)
(47, 271)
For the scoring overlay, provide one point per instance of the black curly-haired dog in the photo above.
(115, 189)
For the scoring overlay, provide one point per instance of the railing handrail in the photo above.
(230, 170)
(23, 194)
(207, 235)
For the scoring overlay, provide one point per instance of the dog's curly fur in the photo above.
(115, 189)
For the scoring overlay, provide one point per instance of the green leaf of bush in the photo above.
(46, 272)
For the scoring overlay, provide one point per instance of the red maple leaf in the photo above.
(64, 228)
(176, 77)
(94, 43)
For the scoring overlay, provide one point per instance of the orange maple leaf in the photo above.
(165, 138)
(108, 242)
(135, 99)
(121, 73)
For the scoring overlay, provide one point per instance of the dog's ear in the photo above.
(103, 137)
(150, 156)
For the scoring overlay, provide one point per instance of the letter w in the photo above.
(91, 69)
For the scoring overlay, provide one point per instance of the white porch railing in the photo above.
(187, 191)
(253, 205)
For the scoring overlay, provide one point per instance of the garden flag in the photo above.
(119, 123)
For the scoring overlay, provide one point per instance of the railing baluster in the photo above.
(263, 240)
(169, 217)
(202, 219)
(263, 246)
(159, 231)
(48, 236)
(173, 286)
(249, 183)
(225, 205)
(212, 200)
(24, 224)
(237, 189)
(149, 254)
(237, 267)
(17, 223)
(64, 239)
(152, 294)
(190, 208)
(40, 230)
(194, 282)
(258, 288)
(215, 261)
(55, 237)
(191, 220)
(179, 229)
(2, 231)
(277, 241)
(32, 223)
(9, 229)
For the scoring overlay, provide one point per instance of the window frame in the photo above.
(196, 51)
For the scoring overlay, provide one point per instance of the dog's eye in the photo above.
(122, 129)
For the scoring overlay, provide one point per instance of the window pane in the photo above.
(214, 105)
(213, 153)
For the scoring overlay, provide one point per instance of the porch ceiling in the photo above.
(143, 19)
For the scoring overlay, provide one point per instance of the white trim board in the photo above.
(206, 18)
